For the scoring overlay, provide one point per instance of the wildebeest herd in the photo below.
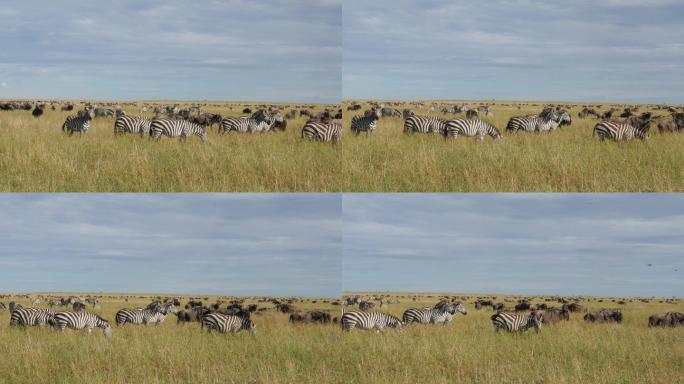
(174, 121)
(627, 126)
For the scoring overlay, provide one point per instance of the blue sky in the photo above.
(234, 244)
(585, 244)
(615, 50)
(172, 49)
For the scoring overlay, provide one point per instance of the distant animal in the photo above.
(604, 316)
(554, 315)
(80, 124)
(669, 319)
(512, 322)
(78, 306)
(38, 111)
(369, 321)
(227, 323)
(366, 123)
(443, 312)
(81, 320)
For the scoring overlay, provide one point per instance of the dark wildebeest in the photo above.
(554, 315)
(68, 107)
(354, 107)
(310, 317)
(38, 111)
(604, 316)
(574, 307)
(366, 305)
(483, 303)
(471, 114)
(187, 316)
(498, 307)
(669, 319)
(523, 306)
(247, 110)
(78, 306)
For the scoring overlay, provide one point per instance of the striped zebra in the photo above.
(153, 314)
(424, 124)
(31, 316)
(369, 320)
(132, 124)
(470, 127)
(78, 123)
(552, 123)
(227, 323)
(512, 322)
(176, 128)
(365, 123)
(433, 315)
(258, 122)
(620, 131)
(81, 320)
(331, 131)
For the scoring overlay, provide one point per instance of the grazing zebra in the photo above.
(323, 132)
(153, 314)
(175, 128)
(81, 320)
(258, 122)
(31, 316)
(522, 123)
(369, 320)
(433, 315)
(512, 322)
(78, 123)
(227, 323)
(474, 127)
(132, 124)
(365, 123)
(620, 131)
(424, 124)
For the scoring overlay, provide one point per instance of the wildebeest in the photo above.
(471, 113)
(604, 316)
(38, 110)
(522, 306)
(78, 306)
(247, 110)
(574, 307)
(554, 315)
(482, 303)
(310, 317)
(366, 305)
(669, 319)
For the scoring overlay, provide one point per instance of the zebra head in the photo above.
(106, 328)
(460, 308)
(170, 308)
(564, 119)
(394, 322)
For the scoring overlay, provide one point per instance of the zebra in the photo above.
(153, 314)
(424, 124)
(365, 123)
(617, 131)
(369, 321)
(175, 128)
(258, 122)
(132, 124)
(78, 123)
(552, 122)
(81, 320)
(227, 323)
(440, 313)
(323, 132)
(474, 127)
(512, 322)
(31, 316)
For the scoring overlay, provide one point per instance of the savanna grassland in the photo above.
(36, 156)
(567, 160)
(469, 351)
(280, 352)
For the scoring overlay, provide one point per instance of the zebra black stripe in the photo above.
(424, 124)
(227, 323)
(369, 320)
(323, 132)
(619, 131)
(471, 127)
(81, 320)
(176, 128)
(31, 316)
(132, 124)
(516, 323)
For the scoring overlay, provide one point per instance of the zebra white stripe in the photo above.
(424, 124)
(619, 131)
(512, 322)
(369, 320)
(365, 123)
(31, 316)
(433, 315)
(323, 132)
(227, 323)
(176, 128)
(81, 320)
(132, 124)
(471, 127)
